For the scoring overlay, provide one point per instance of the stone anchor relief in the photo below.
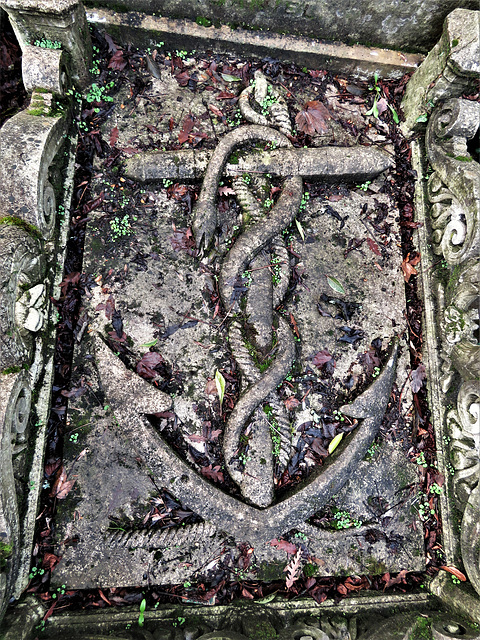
(257, 340)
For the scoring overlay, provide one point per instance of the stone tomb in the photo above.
(297, 362)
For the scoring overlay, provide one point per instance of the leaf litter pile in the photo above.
(221, 79)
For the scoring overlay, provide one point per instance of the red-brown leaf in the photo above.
(146, 366)
(321, 358)
(113, 136)
(117, 61)
(291, 403)
(373, 246)
(283, 545)
(215, 110)
(408, 267)
(62, 487)
(186, 129)
(313, 118)
(455, 572)
(213, 473)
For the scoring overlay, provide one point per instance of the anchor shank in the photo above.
(330, 163)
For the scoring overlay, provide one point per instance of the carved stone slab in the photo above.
(123, 458)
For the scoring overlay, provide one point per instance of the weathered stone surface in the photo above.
(356, 61)
(161, 299)
(62, 22)
(25, 177)
(450, 68)
(386, 24)
(44, 68)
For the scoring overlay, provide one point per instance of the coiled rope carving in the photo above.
(262, 234)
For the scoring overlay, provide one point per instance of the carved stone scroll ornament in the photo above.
(22, 295)
(460, 350)
(29, 145)
(22, 302)
(454, 187)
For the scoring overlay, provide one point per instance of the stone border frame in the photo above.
(460, 598)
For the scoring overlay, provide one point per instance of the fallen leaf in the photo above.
(417, 377)
(213, 473)
(226, 191)
(408, 267)
(146, 366)
(382, 106)
(62, 487)
(389, 582)
(186, 129)
(293, 569)
(321, 358)
(215, 110)
(220, 383)
(373, 246)
(335, 442)
(117, 61)
(113, 136)
(283, 545)
(455, 572)
(291, 403)
(313, 118)
(225, 95)
(211, 388)
(228, 78)
(334, 284)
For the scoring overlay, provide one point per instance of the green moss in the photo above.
(270, 570)
(18, 222)
(309, 570)
(40, 111)
(421, 630)
(14, 369)
(454, 42)
(375, 567)
(203, 22)
(6, 551)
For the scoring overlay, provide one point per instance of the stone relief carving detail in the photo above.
(454, 193)
(456, 178)
(454, 188)
(256, 246)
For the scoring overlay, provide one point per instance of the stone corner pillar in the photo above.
(51, 22)
(449, 70)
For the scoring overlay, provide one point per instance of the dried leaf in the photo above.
(389, 582)
(113, 136)
(291, 403)
(146, 366)
(373, 246)
(283, 545)
(313, 118)
(335, 442)
(220, 383)
(215, 110)
(455, 572)
(293, 569)
(226, 191)
(211, 388)
(321, 358)
(62, 487)
(117, 61)
(186, 129)
(300, 229)
(408, 267)
(417, 377)
(213, 473)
